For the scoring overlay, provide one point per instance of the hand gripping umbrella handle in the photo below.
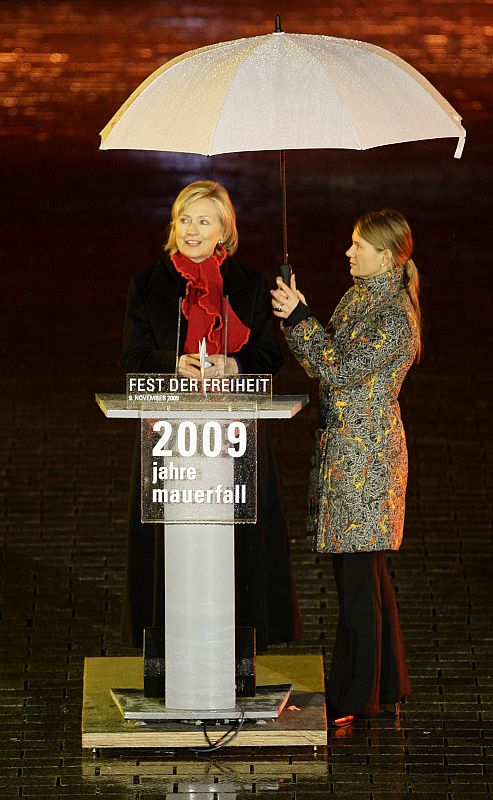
(285, 270)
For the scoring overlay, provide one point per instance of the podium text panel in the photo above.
(197, 471)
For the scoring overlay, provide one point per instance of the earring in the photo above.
(219, 241)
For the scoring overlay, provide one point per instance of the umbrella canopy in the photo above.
(282, 91)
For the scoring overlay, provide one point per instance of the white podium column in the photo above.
(199, 595)
(199, 616)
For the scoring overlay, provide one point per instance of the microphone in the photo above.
(226, 319)
(178, 335)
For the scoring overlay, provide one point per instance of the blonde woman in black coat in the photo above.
(198, 265)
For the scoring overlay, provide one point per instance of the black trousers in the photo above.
(368, 663)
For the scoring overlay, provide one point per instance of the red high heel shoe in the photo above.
(341, 722)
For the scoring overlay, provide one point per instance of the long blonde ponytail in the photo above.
(411, 281)
(389, 229)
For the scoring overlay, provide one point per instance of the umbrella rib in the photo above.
(219, 115)
(151, 79)
(336, 89)
(142, 87)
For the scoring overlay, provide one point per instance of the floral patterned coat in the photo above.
(359, 468)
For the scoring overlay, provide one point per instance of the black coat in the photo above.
(265, 594)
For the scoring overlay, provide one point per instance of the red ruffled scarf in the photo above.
(204, 305)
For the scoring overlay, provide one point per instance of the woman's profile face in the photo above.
(198, 229)
(365, 260)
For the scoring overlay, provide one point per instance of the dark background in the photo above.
(77, 223)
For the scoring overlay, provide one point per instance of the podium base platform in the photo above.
(268, 703)
(302, 720)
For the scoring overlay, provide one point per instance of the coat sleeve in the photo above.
(373, 343)
(262, 353)
(139, 351)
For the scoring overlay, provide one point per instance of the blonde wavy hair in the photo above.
(225, 210)
(389, 230)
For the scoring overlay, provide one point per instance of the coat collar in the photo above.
(381, 286)
(165, 279)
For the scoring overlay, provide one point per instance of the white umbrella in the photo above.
(282, 91)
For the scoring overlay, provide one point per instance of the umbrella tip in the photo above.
(278, 28)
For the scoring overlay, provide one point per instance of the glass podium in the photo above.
(198, 456)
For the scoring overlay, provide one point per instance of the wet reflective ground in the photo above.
(76, 224)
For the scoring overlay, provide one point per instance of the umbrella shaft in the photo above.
(284, 222)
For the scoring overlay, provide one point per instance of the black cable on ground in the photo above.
(225, 739)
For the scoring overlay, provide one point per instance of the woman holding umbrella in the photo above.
(198, 273)
(359, 469)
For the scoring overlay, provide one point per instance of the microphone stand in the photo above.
(226, 320)
(178, 336)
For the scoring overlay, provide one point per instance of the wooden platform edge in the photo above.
(192, 739)
(301, 724)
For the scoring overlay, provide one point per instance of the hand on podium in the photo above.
(218, 365)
